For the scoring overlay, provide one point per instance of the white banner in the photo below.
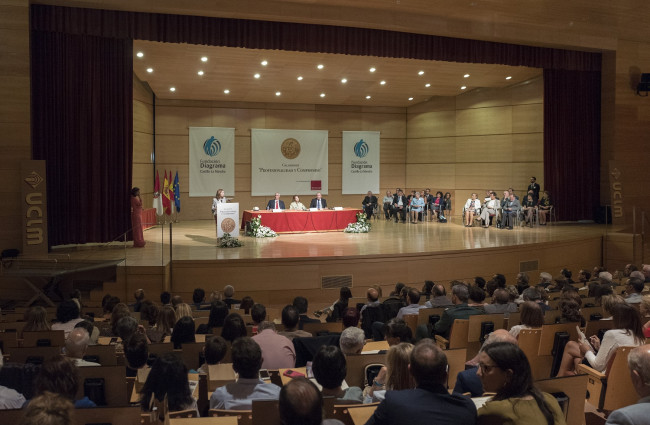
(360, 167)
(228, 219)
(212, 161)
(292, 162)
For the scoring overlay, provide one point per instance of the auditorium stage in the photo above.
(309, 262)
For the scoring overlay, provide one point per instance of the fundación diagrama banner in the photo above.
(292, 162)
(360, 166)
(212, 161)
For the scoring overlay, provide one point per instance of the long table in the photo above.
(303, 221)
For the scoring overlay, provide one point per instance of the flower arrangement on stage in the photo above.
(259, 231)
(361, 226)
(228, 241)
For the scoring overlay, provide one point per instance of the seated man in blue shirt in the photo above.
(239, 395)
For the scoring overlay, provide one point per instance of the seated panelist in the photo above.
(369, 204)
(275, 204)
(296, 205)
(318, 202)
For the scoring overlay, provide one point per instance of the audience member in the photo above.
(476, 298)
(277, 350)
(258, 314)
(233, 327)
(413, 307)
(165, 298)
(49, 409)
(633, 290)
(239, 395)
(439, 299)
(329, 368)
(427, 288)
(504, 370)
(302, 305)
(108, 304)
(67, 316)
(394, 376)
(9, 398)
(139, 298)
(218, 313)
(352, 341)
(371, 312)
(636, 414)
(60, 376)
(183, 332)
(246, 304)
(182, 310)
(92, 330)
(149, 312)
(290, 320)
(176, 300)
(198, 298)
(228, 294)
(531, 317)
(136, 353)
(429, 402)
(36, 320)
(302, 404)
(350, 317)
(168, 378)
(164, 325)
(460, 310)
(500, 303)
(214, 350)
(76, 345)
(335, 311)
(396, 331)
(644, 308)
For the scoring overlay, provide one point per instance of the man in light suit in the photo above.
(275, 204)
(637, 414)
(318, 202)
(429, 402)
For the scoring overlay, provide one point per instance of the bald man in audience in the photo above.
(76, 345)
(371, 312)
(637, 414)
(302, 404)
(468, 381)
(439, 299)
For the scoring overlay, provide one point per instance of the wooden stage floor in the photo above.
(196, 241)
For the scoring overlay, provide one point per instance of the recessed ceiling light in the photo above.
(299, 78)
(344, 80)
(256, 75)
(466, 76)
(172, 89)
(277, 93)
(322, 95)
(264, 63)
(139, 54)
(410, 98)
(427, 85)
(421, 73)
(373, 69)
(383, 83)
(463, 87)
(368, 97)
(149, 70)
(204, 59)
(508, 77)
(200, 72)
(226, 91)
(320, 66)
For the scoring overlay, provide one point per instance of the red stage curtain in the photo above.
(572, 142)
(82, 108)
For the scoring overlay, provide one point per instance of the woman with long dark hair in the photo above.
(233, 327)
(184, 332)
(505, 371)
(218, 313)
(136, 218)
(168, 377)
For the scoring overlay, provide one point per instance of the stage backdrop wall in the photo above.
(211, 161)
(360, 166)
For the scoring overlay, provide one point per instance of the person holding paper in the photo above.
(318, 202)
(275, 204)
(219, 198)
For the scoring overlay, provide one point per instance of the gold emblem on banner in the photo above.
(290, 148)
(228, 225)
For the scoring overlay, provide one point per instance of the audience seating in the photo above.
(537, 344)
(474, 341)
(356, 365)
(594, 326)
(456, 360)
(424, 313)
(44, 338)
(411, 321)
(575, 388)
(513, 319)
(190, 413)
(102, 354)
(7, 340)
(114, 378)
(457, 336)
(613, 389)
(33, 354)
(12, 326)
(219, 375)
(307, 347)
(244, 417)
(265, 412)
(191, 354)
(225, 420)
(316, 327)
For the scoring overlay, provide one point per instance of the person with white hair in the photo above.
(229, 293)
(545, 279)
(352, 340)
(76, 345)
(637, 414)
(9, 398)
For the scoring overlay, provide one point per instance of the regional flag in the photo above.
(157, 200)
(177, 193)
(165, 196)
(171, 191)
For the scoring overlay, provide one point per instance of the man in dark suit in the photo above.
(534, 187)
(301, 304)
(400, 202)
(275, 204)
(369, 204)
(318, 202)
(460, 310)
(429, 402)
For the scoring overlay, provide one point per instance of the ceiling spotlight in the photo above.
(277, 93)
(466, 76)
(200, 72)
(410, 98)
(322, 95)
(463, 87)
(344, 80)
(204, 59)
(373, 69)
(149, 70)
(421, 73)
(264, 63)
(299, 78)
(172, 89)
(256, 75)
(368, 97)
(427, 85)
(383, 83)
(320, 66)
(508, 77)
(139, 54)
(226, 91)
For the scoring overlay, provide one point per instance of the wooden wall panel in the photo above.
(429, 150)
(497, 120)
(484, 98)
(291, 119)
(531, 91)
(488, 148)
(431, 124)
(436, 177)
(528, 148)
(177, 120)
(338, 121)
(526, 118)
(393, 151)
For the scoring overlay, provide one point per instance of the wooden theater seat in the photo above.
(356, 365)
(315, 327)
(575, 388)
(424, 313)
(48, 338)
(265, 412)
(244, 417)
(456, 360)
(411, 321)
(224, 420)
(457, 336)
(115, 387)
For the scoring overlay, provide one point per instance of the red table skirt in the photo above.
(148, 218)
(303, 221)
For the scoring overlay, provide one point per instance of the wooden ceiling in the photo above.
(233, 69)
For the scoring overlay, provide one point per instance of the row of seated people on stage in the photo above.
(397, 205)
(465, 298)
(506, 211)
(318, 202)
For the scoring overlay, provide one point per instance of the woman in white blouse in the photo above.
(219, 198)
(627, 332)
(296, 205)
(472, 207)
(531, 317)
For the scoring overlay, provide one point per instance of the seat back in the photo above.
(191, 353)
(528, 341)
(111, 378)
(456, 360)
(102, 354)
(371, 315)
(44, 338)
(265, 412)
(474, 325)
(411, 321)
(316, 327)
(620, 391)
(514, 319)
(458, 335)
(244, 417)
(594, 326)
(424, 313)
(356, 365)
(548, 336)
(219, 375)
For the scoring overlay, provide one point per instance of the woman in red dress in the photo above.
(136, 218)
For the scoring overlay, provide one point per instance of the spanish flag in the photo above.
(165, 196)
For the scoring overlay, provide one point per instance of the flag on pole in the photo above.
(177, 193)
(157, 200)
(165, 196)
(171, 192)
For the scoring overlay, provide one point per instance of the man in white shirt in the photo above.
(76, 345)
(9, 398)
(414, 306)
